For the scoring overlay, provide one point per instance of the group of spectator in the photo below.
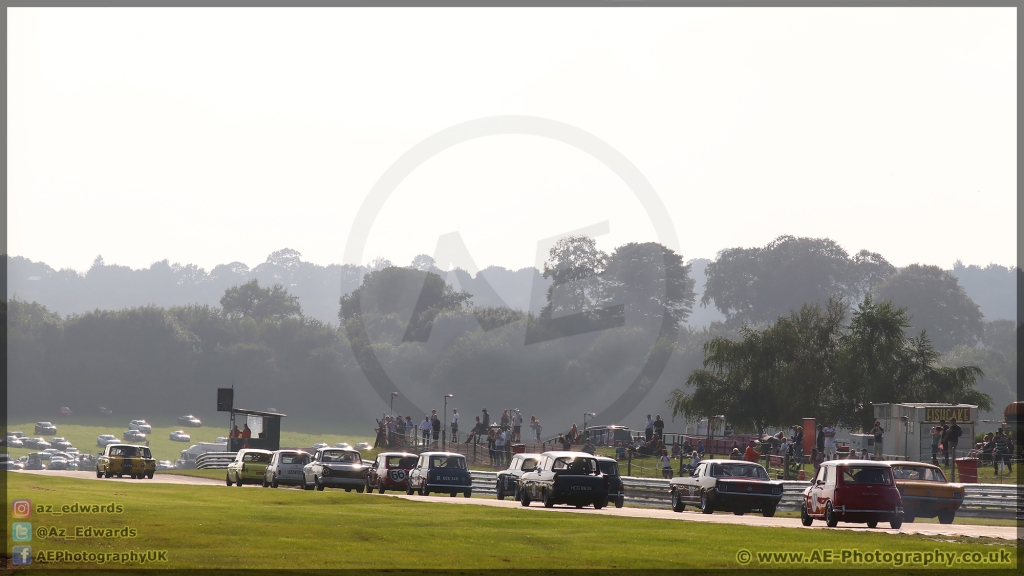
(945, 438)
(997, 449)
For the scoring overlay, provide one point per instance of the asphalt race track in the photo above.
(690, 515)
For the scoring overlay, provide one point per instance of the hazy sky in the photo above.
(214, 135)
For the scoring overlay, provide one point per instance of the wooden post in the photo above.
(629, 463)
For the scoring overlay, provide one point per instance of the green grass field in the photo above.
(214, 527)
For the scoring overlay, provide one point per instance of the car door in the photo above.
(693, 484)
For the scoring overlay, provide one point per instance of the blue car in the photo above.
(444, 472)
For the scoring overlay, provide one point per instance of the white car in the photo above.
(73, 451)
(180, 436)
(285, 468)
(103, 439)
(36, 443)
(57, 463)
(165, 465)
(60, 442)
(133, 436)
(319, 446)
(49, 453)
(17, 434)
(221, 440)
(363, 446)
(13, 442)
(8, 463)
(343, 445)
(141, 426)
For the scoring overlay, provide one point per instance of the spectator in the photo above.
(435, 427)
(455, 425)
(1002, 452)
(864, 455)
(677, 449)
(246, 432)
(666, 465)
(649, 429)
(943, 444)
(878, 431)
(539, 429)
(392, 429)
(235, 433)
(751, 455)
(694, 459)
(477, 431)
(400, 428)
(659, 427)
(830, 442)
(798, 442)
(517, 426)
(499, 448)
(490, 446)
(504, 419)
(816, 458)
(487, 419)
(566, 445)
(410, 431)
(620, 451)
(700, 448)
(589, 448)
(574, 434)
(819, 440)
(687, 447)
(425, 428)
(735, 454)
(936, 434)
(953, 436)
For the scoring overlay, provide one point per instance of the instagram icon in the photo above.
(21, 508)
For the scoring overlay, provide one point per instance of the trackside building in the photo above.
(908, 426)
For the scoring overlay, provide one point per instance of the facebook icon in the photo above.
(21, 555)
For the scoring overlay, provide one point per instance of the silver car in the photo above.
(103, 439)
(335, 468)
(141, 426)
(285, 468)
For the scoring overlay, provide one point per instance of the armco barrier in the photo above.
(980, 500)
(215, 460)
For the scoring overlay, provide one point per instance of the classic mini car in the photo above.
(925, 492)
(335, 468)
(141, 426)
(104, 439)
(65, 411)
(60, 442)
(248, 467)
(610, 468)
(285, 468)
(565, 478)
(190, 420)
(180, 436)
(133, 436)
(440, 472)
(508, 479)
(36, 443)
(390, 471)
(57, 463)
(728, 485)
(125, 460)
(45, 428)
(853, 491)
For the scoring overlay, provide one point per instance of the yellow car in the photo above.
(926, 493)
(125, 460)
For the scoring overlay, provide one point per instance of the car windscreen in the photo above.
(256, 457)
(401, 462)
(610, 468)
(918, 473)
(125, 451)
(574, 466)
(738, 471)
(453, 462)
(528, 464)
(866, 475)
(340, 457)
(294, 458)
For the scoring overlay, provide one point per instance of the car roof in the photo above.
(914, 465)
(254, 450)
(121, 444)
(567, 454)
(875, 463)
(529, 454)
(449, 454)
(400, 454)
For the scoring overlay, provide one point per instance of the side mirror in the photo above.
(536, 468)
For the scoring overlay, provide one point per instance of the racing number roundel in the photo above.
(398, 475)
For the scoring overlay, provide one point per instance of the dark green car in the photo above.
(610, 468)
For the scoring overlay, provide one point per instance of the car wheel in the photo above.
(380, 488)
(265, 484)
(120, 475)
(805, 518)
(423, 490)
(149, 475)
(620, 501)
(705, 504)
(945, 517)
(545, 497)
(830, 516)
(467, 493)
(454, 494)
(524, 498)
(108, 474)
(238, 479)
(499, 490)
(98, 473)
(516, 495)
(305, 485)
(359, 490)
(895, 524)
(320, 487)
(738, 512)
(873, 524)
(273, 482)
(677, 503)
(228, 478)
(768, 511)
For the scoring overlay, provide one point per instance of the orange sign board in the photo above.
(947, 413)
